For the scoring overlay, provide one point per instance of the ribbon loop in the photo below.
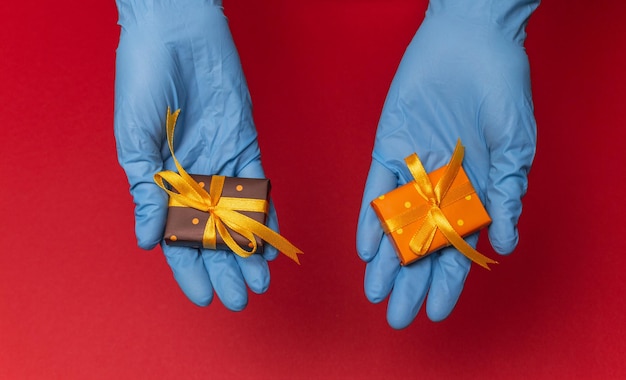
(224, 212)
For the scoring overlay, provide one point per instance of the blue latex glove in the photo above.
(465, 75)
(180, 54)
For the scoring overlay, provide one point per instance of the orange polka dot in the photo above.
(173, 238)
(201, 184)
(195, 220)
(239, 188)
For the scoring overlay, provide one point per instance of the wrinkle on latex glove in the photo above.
(508, 16)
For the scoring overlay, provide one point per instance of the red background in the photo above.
(78, 300)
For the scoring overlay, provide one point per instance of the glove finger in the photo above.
(255, 170)
(369, 232)
(511, 150)
(380, 273)
(450, 269)
(189, 271)
(143, 91)
(255, 272)
(409, 292)
(226, 278)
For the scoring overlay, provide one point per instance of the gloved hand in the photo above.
(180, 54)
(464, 75)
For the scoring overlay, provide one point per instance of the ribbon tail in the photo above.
(188, 191)
(171, 119)
(279, 242)
(452, 169)
(230, 242)
(459, 243)
(239, 222)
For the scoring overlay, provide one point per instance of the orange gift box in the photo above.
(427, 214)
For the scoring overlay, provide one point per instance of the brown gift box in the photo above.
(185, 225)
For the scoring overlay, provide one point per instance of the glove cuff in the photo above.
(508, 16)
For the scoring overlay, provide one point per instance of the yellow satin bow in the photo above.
(435, 218)
(223, 211)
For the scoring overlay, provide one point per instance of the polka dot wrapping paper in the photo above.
(185, 225)
(217, 212)
(404, 212)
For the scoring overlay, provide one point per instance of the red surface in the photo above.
(78, 300)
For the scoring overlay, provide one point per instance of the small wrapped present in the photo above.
(217, 212)
(433, 211)
(186, 225)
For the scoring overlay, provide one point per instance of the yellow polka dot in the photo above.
(173, 238)
(201, 184)
(460, 222)
(407, 204)
(195, 220)
(239, 188)
(381, 197)
(469, 197)
(399, 231)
